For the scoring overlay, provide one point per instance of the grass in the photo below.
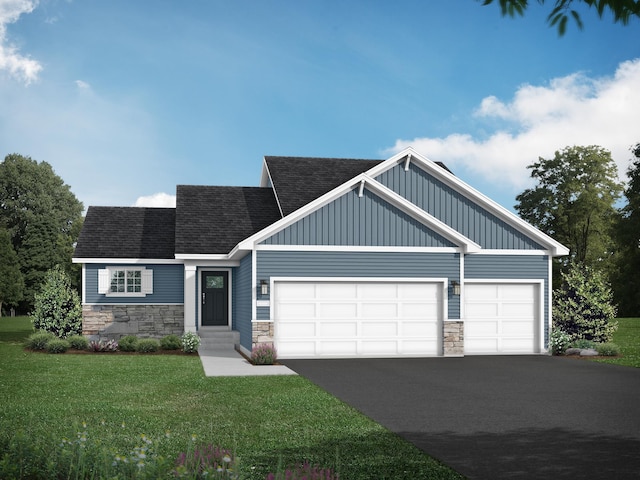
(264, 420)
(627, 337)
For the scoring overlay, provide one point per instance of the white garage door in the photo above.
(501, 318)
(349, 319)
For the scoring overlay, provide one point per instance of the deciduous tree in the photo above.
(11, 281)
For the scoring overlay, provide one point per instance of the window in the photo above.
(125, 281)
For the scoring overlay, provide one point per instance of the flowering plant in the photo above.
(559, 341)
(190, 342)
(207, 461)
(264, 354)
(103, 346)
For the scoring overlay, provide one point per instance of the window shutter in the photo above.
(147, 281)
(103, 280)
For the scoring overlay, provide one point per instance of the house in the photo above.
(327, 257)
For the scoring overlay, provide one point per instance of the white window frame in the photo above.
(105, 277)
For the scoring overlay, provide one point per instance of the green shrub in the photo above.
(147, 345)
(608, 349)
(171, 342)
(190, 342)
(583, 343)
(39, 340)
(78, 342)
(264, 354)
(57, 345)
(128, 343)
(103, 345)
(57, 306)
(582, 306)
(559, 341)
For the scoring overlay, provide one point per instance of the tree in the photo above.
(57, 306)
(42, 216)
(11, 280)
(622, 10)
(582, 306)
(574, 201)
(625, 279)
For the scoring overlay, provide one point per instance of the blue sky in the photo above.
(128, 99)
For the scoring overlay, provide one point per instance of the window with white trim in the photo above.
(125, 281)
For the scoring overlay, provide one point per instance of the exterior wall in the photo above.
(168, 286)
(453, 340)
(242, 301)
(452, 208)
(116, 321)
(512, 267)
(359, 221)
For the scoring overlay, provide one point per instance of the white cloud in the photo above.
(157, 200)
(571, 110)
(20, 67)
(82, 85)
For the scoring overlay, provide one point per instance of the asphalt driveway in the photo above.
(493, 417)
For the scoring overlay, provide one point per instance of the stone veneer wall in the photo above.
(115, 321)
(262, 333)
(453, 339)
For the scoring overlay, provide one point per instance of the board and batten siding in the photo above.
(168, 285)
(503, 267)
(318, 264)
(454, 209)
(242, 301)
(359, 221)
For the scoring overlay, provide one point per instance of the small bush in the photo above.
(171, 342)
(147, 345)
(264, 354)
(103, 346)
(190, 342)
(57, 345)
(128, 343)
(78, 342)
(39, 340)
(57, 307)
(559, 341)
(584, 343)
(608, 349)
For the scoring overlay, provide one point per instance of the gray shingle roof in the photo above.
(213, 220)
(300, 180)
(127, 232)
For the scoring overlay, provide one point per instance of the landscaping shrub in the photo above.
(171, 342)
(78, 342)
(582, 306)
(583, 343)
(559, 341)
(190, 342)
(103, 345)
(57, 306)
(264, 354)
(57, 345)
(608, 349)
(147, 345)
(39, 340)
(128, 343)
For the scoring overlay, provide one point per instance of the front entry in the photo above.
(215, 298)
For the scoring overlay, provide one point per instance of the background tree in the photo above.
(626, 276)
(622, 10)
(42, 216)
(574, 202)
(11, 280)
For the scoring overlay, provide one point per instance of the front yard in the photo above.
(628, 339)
(113, 400)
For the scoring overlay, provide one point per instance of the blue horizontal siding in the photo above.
(454, 209)
(168, 285)
(359, 221)
(242, 301)
(362, 264)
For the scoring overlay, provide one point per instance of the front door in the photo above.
(215, 298)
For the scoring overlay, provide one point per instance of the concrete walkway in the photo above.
(225, 361)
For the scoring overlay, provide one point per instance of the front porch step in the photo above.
(218, 337)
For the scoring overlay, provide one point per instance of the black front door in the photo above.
(215, 298)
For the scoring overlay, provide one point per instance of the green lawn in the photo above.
(628, 339)
(168, 398)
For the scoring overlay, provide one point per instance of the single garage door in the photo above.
(501, 318)
(357, 318)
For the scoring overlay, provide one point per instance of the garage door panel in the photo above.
(337, 348)
(333, 310)
(523, 310)
(324, 291)
(296, 311)
(517, 328)
(379, 310)
(418, 347)
(370, 347)
(482, 292)
(297, 290)
(377, 291)
(419, 310)
(291, 349)
(379, 329)
(486, 310)
(480, 345)
(298, 329)
(419, 329)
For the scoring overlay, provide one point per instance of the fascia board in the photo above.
(468, 245)
(265, 180)
(556, 248)
(128, 261)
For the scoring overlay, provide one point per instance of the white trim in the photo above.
(212, 263)
(254, 283)
(128, 304)
(495, 251)
(265, 181)
(199, 271)
(462, 282)
(203, 256)
(352, 248)
(550, 300)
(83, 281)
(145, 288)
(263, 303)
(129, 261)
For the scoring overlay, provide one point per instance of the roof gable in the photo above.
(213, 220)
(127, 232)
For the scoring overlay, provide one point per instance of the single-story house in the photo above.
(328, 257)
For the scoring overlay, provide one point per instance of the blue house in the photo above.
(326, 258)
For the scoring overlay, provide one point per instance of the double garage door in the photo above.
(399, 318)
